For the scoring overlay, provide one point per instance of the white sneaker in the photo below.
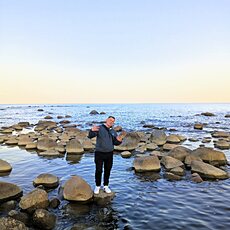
(97, 190)
(107, 189)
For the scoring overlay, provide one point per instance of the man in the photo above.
(106, 139)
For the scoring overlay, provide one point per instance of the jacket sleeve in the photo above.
(92, 134)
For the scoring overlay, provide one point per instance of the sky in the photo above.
(116, 51)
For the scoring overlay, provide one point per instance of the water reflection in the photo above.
(73, 159)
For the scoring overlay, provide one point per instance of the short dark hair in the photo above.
(111, 117)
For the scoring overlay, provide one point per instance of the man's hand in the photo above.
(95, 128)
(121, 136)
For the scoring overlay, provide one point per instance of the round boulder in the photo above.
(47, 180)
(147, 163)
(5, 166)
(9, 191)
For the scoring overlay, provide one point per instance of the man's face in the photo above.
(109, 122)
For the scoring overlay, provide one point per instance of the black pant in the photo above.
(101, 158)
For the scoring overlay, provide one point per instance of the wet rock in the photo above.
(207, 171)
(9, 205)
(219, 134)
(227, 116)
(126, 154)
(210, 156)
(158, 154)
(48, 117)
(47, 180)
(192, 139)
(74, 147)
(44, 144)
(196, 178)
(31, 145)
(77, 189)
(44, 219)
(8, 223)
(147, 163)
(151, 146)
(170, 162)
(35, 199)
(158, 137)
(222, 144)
(172, 139)
(129, 143)
(168, 147)
(40, 110)
(206, 140)
(189, 159)
(178, 171)
(50, 153)
(20, 216)
(5, 166)
(93, 112)
(103, 198)
(60, 148)
(171, 176)
(54, 203)
(179, 153)
(87, 144)
(198, 126)
(9, 191)
(208, 114)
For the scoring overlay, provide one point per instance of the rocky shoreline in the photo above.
(153, 151)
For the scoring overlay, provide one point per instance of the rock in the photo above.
(126, 154)
(7, 206)
(158, 154)
(179, 153)
(219, 134)
(12, 141)
(17, 127)
(222, 144)
(227, 116)
(48, 117)
(74, 147)
(118, 128)
(192, 139)
(5, 166)
(190, 158)
(129, 143)
(7, 131)
(44, 144)
(9, 191)
(210, 156)
(60, 148)
(24, 140)
(87, 144)
(196, 178)
(40, 110)
(50, 153)
(103, 198)
(20, 216)
(77, 189)
(178, 171)
(206, 140)
(54, 203)
(170, 162)
(150, 126)
(198, 126)
(151, 146)
(93, 112)
(207, 171)
(171, 176)
(141, 149)
(147, 163)
(37, 198)
(158, 137)
(208, 114)
(47, 180)
(8, 223)
(44, 219)
(168, 147)
(31, 145)
(173, 139)
(182, 138)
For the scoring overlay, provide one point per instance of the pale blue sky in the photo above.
(114, 51)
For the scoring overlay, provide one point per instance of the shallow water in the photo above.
(141, 201)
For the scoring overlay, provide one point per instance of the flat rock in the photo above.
(47, 180)
(5, 166)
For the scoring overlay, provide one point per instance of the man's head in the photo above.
(110, 121)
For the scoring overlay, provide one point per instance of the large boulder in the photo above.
(44, 144)
(147, 163)
(210, 156)
(179, 153)
(158, 137)
(9, 191)
(129, 143)
(8, 223)
(207, 171)
(77, 189)
(47, 180)
(74, 146)
(37, 198)
(170, 162)
(5, 166)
